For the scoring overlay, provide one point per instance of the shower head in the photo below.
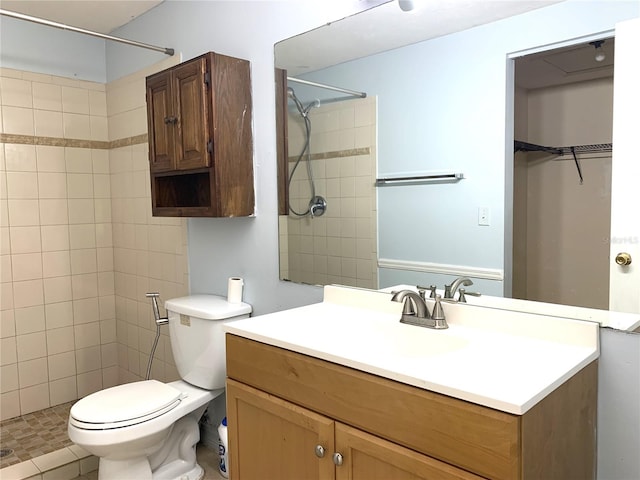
(292, 95)
(302, 110)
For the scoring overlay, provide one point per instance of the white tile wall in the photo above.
(79, 247)
(149, 253)
(47, 190)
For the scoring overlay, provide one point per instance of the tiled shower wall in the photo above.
(58, 305)
(340, 246)
(150, 253)
(78, 248)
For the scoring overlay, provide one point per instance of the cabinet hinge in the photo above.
(210, 146)
(207, 78)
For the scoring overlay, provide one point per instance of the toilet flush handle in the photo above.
(156, 311)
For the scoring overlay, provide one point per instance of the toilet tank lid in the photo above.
(209, 307)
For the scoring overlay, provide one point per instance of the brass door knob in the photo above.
(623, 259)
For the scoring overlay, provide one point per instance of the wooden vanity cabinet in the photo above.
(281, 405)
(200, 138)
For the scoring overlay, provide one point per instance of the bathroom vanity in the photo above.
(341, 389)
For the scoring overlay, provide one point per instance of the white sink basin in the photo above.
(411, 341)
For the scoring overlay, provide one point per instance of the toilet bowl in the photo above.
(140, 420)
(149, 429)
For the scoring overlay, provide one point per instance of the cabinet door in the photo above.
(367, 457)
(192, 127)
(271, 439)
(161, 123)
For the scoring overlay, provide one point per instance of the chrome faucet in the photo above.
(450, 290)
(416, 312)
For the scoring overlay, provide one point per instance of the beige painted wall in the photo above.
(567, 228)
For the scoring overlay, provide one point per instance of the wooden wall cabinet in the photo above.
(282, 405)
(200, 139)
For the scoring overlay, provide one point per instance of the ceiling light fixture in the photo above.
(600, 56)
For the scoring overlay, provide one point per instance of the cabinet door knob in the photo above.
(337, 459)
(319, 451)
(623, 259)
(170, 120)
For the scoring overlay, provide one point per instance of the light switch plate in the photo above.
(484, 216)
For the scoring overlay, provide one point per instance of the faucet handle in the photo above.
(431, 288)
(438, 313)
(439, 321)
(407, 308)
(461, 297)
(473, 294)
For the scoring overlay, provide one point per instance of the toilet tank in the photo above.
(197, 337)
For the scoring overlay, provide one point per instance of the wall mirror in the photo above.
(398, 110)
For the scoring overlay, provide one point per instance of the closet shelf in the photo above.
(532, 147)
(560, 151)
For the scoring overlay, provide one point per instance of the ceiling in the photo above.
(560, 66)
(101, 16)
(387, 27)
(382, 28)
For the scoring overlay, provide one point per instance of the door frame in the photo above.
(509, 149)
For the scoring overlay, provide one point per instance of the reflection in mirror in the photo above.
(563, 127)
(435, 111)
(329, 234)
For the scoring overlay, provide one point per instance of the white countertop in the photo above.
(500, 359)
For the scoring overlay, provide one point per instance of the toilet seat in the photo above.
(124, 405)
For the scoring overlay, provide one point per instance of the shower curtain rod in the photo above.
(166, 51)
(328, 87)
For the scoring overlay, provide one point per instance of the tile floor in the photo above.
(40, 443)
(35, 434)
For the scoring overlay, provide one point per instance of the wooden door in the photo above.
(271, 439)
(160, 123)
(367, 457)
(192, 121)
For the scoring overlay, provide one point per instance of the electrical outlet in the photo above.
(484, 216)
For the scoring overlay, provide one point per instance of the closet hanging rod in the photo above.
(328, 87)
(42, 21)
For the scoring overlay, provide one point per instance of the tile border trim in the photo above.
(351, 152)
(72, 142)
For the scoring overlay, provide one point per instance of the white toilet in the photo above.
(149, 429)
